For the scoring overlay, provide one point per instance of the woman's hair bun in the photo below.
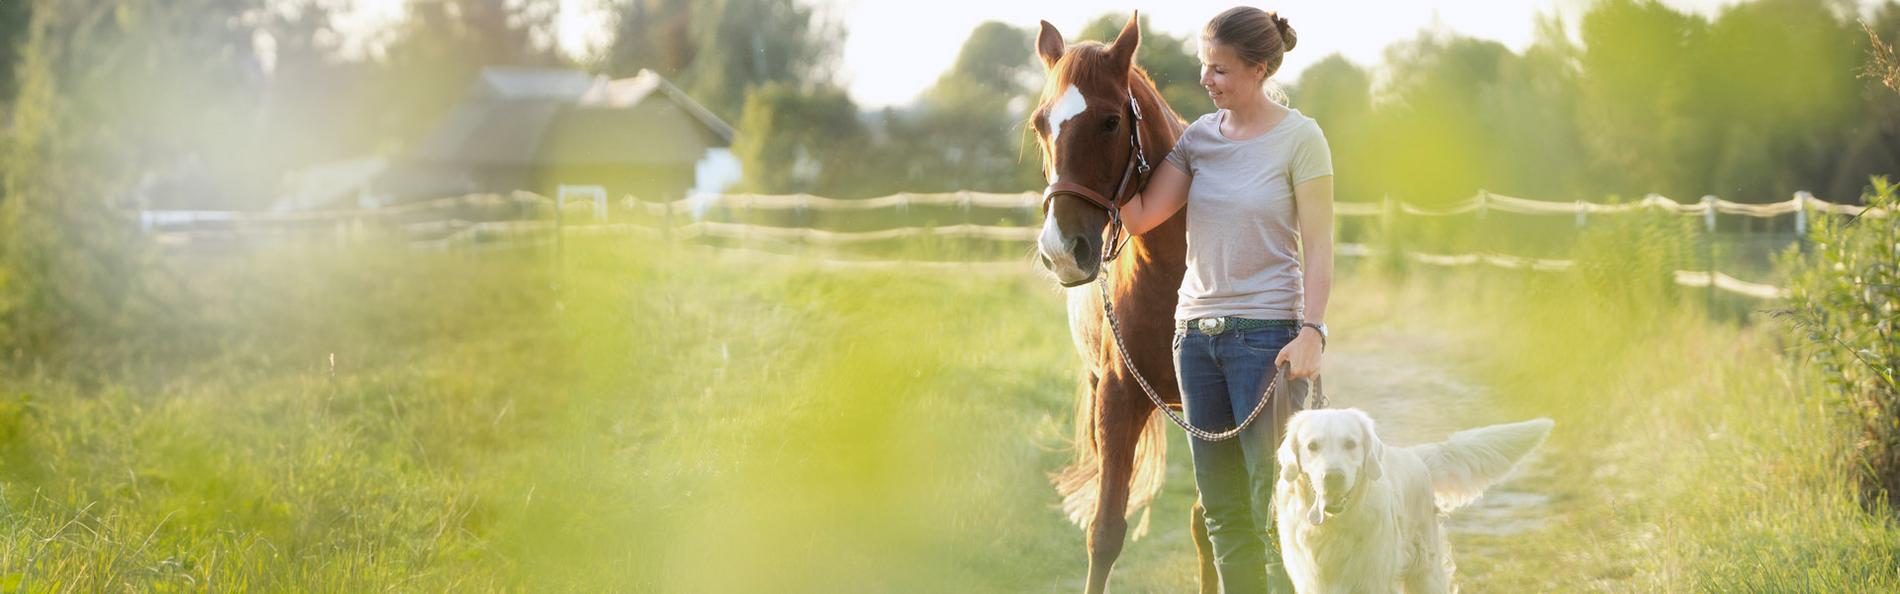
(1287, 37)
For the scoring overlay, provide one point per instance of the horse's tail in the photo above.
(1080, 482)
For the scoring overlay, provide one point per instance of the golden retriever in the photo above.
(1356, 516)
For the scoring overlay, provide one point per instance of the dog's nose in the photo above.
(1334, 479)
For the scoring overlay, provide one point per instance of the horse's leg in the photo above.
(1203, 548)
(1120, 420)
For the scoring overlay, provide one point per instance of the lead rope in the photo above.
(1139, 169)
(1114, 327)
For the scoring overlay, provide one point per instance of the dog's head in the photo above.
(1332, 454)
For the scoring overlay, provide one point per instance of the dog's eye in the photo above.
(1350, 444)
(1312, 446)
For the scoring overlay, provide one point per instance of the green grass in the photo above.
(1690, 455)
(659, 419)
(644, 420)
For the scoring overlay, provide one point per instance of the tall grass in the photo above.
(647, 418)
(1691, 454)
(637, 419)
(1846, 300)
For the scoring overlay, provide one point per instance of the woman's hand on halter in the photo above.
(1302, 354)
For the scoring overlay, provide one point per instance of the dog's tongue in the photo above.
(1317, 514)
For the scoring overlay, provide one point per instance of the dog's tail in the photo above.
(1079, 483)
(1474, 459)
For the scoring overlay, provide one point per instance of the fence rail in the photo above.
(1481, 202)
(437, 224)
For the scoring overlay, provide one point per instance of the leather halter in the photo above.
(1136, 171)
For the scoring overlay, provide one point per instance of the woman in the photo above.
(1256, 178)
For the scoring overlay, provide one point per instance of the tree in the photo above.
(1873, 143)
(439, 49)
(1338, 94)
(326, 103)
(1637, 105)
(967, 131)
(996, 58)
(1774, 86)
(793, 140)
(110, 95)
(719, 50)
(1438, 142)
(1538, 135)
(652, 35)
(15, 15)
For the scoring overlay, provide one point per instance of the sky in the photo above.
(895, 49)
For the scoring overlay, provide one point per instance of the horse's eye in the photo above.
(1110, 124)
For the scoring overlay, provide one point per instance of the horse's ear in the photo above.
(1049, 45)
(1123, 51)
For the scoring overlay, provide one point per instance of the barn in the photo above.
(538, 129)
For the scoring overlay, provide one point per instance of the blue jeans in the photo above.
(1221, 381)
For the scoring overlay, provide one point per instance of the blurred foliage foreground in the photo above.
(652, 418)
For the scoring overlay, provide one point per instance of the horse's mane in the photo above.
(1086, 64)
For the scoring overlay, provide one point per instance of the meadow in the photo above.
(641, 417)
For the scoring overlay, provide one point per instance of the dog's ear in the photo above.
(1375, 449)
(1289, 454)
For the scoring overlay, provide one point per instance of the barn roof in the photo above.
(509, 114)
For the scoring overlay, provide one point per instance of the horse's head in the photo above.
(1083, 125)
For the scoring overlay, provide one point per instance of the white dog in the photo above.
(1358, 517)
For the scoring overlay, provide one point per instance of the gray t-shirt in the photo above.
(1243, 236)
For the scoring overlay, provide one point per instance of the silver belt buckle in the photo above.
(1212, 326)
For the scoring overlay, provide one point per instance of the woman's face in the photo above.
(1228, 79)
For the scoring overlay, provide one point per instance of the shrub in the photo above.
(1843, 298)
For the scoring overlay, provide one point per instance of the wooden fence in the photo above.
(522, 218)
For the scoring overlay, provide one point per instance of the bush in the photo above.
(1843, 298)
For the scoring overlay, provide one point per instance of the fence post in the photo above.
(1583, 210)
(1385, 216)
(1708, 250)
(1388, 211)
(560, 240)
(1800, 214)
(666, 220)
(1484, 241)
(801, 216)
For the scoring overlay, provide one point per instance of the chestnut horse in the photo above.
(1097, 110)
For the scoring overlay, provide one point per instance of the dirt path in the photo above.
(1412, 388)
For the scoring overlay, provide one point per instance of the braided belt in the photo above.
(1214, 326)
